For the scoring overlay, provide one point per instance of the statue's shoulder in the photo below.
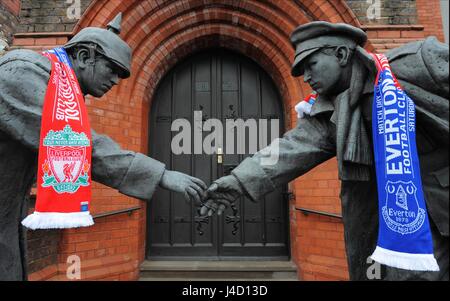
(424, 64)
(406, 49)
(24, 58)
(420, 48)
(435, 56)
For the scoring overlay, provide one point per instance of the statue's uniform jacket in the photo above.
(422, 70)
(24, 75)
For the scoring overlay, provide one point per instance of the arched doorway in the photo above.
(222, 85)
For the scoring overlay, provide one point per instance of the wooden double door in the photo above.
(226, 86)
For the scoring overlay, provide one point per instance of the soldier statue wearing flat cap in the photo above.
(99, 58)
(332, 61)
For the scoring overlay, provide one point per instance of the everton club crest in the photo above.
(66, 167)
(402, 212)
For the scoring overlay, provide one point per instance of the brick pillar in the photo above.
(429, 13)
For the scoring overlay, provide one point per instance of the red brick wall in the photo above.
(161, 34)
(39, 41)
(321, 248)
(429, 14)
(385, 37)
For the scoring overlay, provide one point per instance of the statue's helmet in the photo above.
(108, 43)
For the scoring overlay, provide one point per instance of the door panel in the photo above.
(223, 85)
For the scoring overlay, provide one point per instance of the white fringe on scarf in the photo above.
(57, 220)
(407, 261)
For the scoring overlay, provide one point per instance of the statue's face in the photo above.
(96, 75)
(325, 73)
(105, 76)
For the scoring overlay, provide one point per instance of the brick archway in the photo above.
(162, 34)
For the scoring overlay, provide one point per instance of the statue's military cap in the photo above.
(311, 37)
(109, 43)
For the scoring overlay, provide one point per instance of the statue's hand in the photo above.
(192, 188)
(221, 194)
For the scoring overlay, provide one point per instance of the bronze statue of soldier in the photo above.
(100, 58)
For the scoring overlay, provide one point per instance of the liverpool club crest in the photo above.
(66, 167)
(401, 211)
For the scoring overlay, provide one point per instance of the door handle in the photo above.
(219, 156)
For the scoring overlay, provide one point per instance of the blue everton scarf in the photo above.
(404, 237)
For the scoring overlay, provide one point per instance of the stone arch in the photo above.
(163, 33)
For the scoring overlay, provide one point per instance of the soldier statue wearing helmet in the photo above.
(106, 42)
(99, 58)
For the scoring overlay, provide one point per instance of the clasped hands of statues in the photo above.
(215, 199)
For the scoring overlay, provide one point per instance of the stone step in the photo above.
(218, 271)
(215, 279)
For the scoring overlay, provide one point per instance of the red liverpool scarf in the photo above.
(64, 164)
